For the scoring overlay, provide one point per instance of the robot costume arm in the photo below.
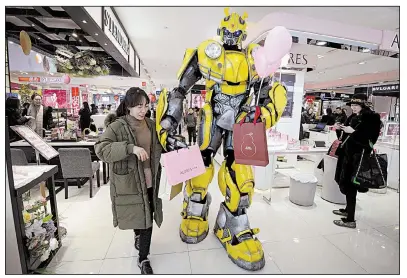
(272, 102)
(171, 106)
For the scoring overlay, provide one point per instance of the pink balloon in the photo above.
(264, 68)
(278, 43)
(67, 79)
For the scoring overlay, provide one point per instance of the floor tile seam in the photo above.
(393, 240)
(340, 250)
(151, 254)
(107, 251)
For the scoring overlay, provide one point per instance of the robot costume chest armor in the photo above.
(230, 75)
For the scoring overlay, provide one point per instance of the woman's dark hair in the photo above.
(13, 103)
(86, 106)
(35, 95)
(328, 111)
(134, 96)
(148, 114)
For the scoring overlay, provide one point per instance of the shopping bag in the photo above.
(370, 171)
(183, 164)
(250, 142)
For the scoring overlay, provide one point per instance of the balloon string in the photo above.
(258, 95)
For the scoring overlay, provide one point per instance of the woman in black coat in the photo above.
(84, 117)
(13, 113)
(361, 131)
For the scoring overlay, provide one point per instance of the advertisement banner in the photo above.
(75, 100)
(54, 98)
(85, 97)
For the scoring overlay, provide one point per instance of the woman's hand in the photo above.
(348, 129)
(140, 153)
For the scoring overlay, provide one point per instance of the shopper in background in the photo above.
(14, 117)
(360, 132)
(130, 144)
(41, 119)
(94, 109)
(102, 109)
(329, 118)
(84, 117)
(308, 116)
(340, 115)
(25, 109)
(190, 121)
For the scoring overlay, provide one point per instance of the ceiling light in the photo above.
(362, 63)
(340, 77)
(80, 40)
(366, 50)
(321, 43)
(96, 34)
(105, 43)
(75, 35)
(33, 25)
(11, 42)
(84, 21)
(376, 72)
(320, 56)
(321, 72)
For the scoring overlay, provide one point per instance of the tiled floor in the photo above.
(295, 239)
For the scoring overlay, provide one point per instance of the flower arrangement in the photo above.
(39, 229)
(82, 64)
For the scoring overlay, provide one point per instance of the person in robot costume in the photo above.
(230, 76)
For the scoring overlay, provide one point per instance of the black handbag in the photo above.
(371, 170)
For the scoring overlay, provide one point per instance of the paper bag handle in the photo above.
(256, 116)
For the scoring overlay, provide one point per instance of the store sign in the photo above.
(386, 88)
(114, 31)
(46, 80)
(302, 60)
(54, 98)
(390, 41)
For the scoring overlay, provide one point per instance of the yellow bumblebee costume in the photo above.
(230, 75)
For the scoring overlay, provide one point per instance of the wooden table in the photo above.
(30, 154)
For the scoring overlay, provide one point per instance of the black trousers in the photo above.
(191, 134)
(145, 234)
(351, 202)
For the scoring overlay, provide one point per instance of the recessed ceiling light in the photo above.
(105, 43)
(33, 25)
(11, 42)
(362, 63)
(321, 72)
(366, 50)
(84, 21)
(75, 35)
(96, 34)
(320, 56)
(340, 77)
(321, 43)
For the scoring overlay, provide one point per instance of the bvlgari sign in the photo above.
(115, 32)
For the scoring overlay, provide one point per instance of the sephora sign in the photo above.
(113, 29)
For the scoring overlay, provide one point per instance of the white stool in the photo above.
(302, 189)
(330, 188)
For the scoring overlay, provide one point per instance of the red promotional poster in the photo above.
(75, 100)
(54, 98)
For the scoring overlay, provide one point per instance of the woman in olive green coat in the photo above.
(131, 147)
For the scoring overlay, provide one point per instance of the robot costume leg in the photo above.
(194, 225)
(232, 228)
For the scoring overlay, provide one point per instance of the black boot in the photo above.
(145, 266)
(137, 242)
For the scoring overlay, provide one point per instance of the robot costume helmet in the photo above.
(232, 30)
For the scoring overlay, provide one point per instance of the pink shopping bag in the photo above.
(183, 164)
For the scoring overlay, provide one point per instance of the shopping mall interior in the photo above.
(68, 206)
